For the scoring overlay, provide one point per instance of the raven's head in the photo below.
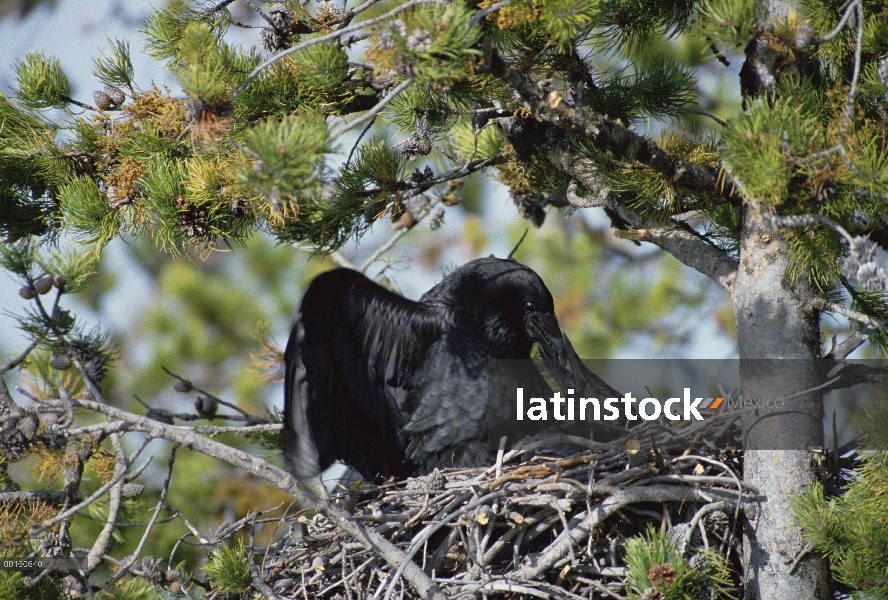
(509, 303)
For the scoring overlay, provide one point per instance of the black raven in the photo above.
(393, 387)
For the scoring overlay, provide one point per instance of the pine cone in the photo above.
(151, 570)
(239, 208)
(54, 545)
(194, 109)
(662, 575)
(699, 563)
(415, 147)
(194, 223)
(103, 100)
(405, 221)
(397, 211)
(95, 369)
(116, 94)
(43, 285)
(184, 386)
(279, 34)
(206, 406)
(27, 292)
(419, 41)
(419, 177)
(437, 219)
(528, 203)
(374, 210)
(716, 519)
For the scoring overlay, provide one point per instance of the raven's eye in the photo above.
(530, 306)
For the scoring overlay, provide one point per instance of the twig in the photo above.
(41, 496)
(370, 115)
(854, 315)
(358, 141)
(103, 541)
(208, 394)
(117, 477)
(426, 588)
(847, 346)
(324, 38)
(389, 244)
(129, 562)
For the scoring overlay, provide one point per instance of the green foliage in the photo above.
(758, 145)
(433, 43)
(654, 562)
(320, 69)
(87, 212)
(114, 65)
(423, 101)
(19, 258)
(816, 254)
(658, 86)
(265, 161)
(564, 20)
(76, 267)
(730, 21)
(12, 585)
(283, 159)
(228, 569)
(41, 81)
(210, 70)
(135, 589)
(163, 185)
(478, 145)
(165, 27)
(628, 24)
(370, 185)
(852, 530)
(875, 304)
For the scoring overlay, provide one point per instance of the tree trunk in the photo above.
(775, 322)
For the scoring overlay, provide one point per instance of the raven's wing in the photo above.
(465, 399)
(349, 362)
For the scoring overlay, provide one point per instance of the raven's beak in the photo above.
(544, 329)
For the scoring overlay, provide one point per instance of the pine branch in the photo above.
(28, 497)
(863, 319)
(851, 343)
(584, 125)
(324, 38)
(671, 235)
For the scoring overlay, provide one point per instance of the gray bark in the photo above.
(775, 322)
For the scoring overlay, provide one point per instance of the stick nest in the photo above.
(547, 527)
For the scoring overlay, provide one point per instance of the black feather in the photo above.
(394, 387)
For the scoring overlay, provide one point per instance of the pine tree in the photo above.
(783, 205)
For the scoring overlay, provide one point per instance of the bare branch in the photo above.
(671, 235)
(426, 588)
(129, 562)
(866, 320)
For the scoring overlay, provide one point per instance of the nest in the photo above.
(547, 527)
